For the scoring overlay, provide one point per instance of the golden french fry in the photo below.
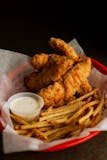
(95, 95)
(30, 133)
(17, 127)
(47, 111)
(88, 99)
(81, 110)
(85, 96)
(61, 132)
(22, 132)
(68, 106)
(60, 120)
(53, 116)
(52, 131)
(66, 110)
(40, 134)
(86, 116)
(99, 107)
(44, 129)
(18, 119)
(36, 125)
(95, 120)
(87, 122)
(75, 133)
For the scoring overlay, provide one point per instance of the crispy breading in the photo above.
(53, 70)
(85, 87)
(74, 81)
(62, 46)
(30, 82)
(53, 95)
(39, 60)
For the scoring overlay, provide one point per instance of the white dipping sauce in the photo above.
(25, 105)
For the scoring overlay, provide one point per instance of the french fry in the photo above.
(52, 131)
(81, 110)
(36, 125)
(59, 120)
(86, 116)
(18, 119)
(63, 108)
(44, 129)
(89, 99)
(17, 127)
(64, 121)
(95, 120)
(61, 132)
(22, 132)
(87, 122)
(99, 107)
(40, 134)
(70, 109)
(75, 133)
(30, 133)
(85, 96)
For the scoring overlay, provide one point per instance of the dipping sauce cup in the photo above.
(26, 105)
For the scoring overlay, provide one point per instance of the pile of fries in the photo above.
(65, 121)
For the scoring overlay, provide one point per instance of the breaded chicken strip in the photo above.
(74, 81)
(53, 95)
(62, 46)
(54, 69)
(39, 60)
(85, 87)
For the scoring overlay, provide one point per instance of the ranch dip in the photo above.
(26, 105)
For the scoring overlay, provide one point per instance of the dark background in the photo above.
(27, 25)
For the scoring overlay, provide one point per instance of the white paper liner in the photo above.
(11, 82)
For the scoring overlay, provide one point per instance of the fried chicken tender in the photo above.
(62, 46)
(53, 95)
(85, 87)
(53, 70)
(74, 81)
(39, 60)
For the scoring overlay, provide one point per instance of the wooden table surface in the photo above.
(29, 34)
